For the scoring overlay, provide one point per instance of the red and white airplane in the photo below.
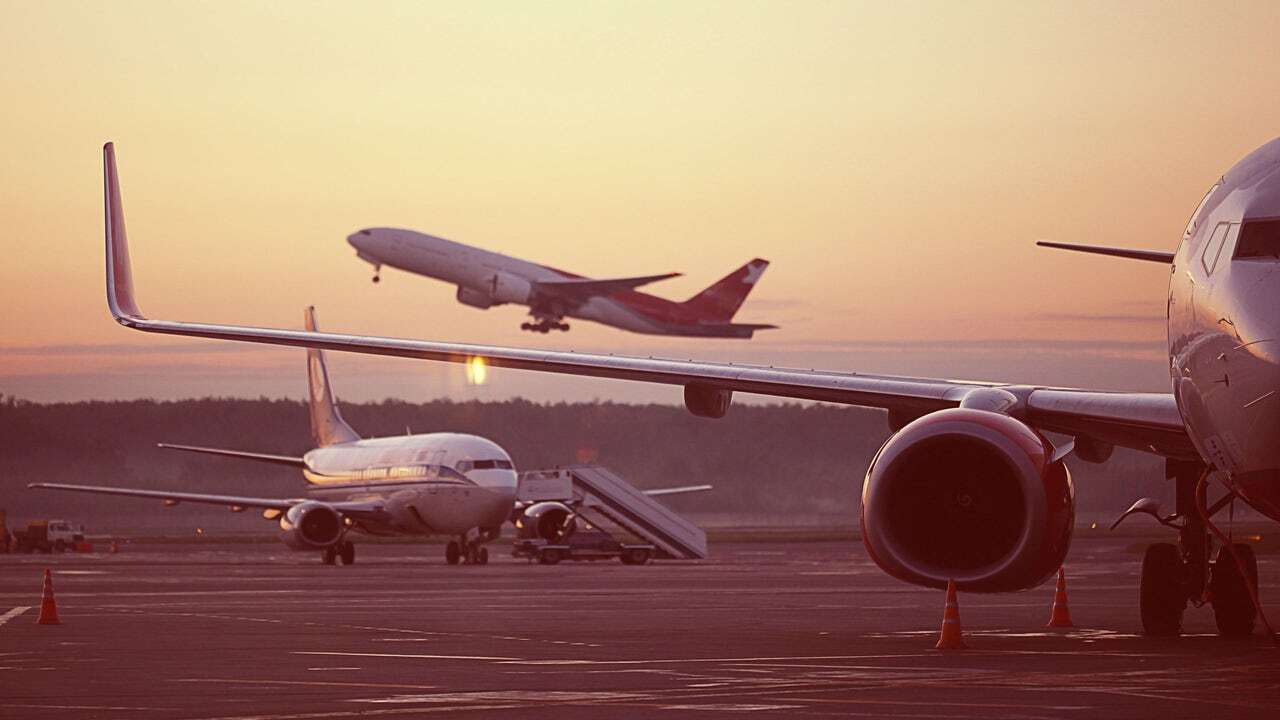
(970, 487)
(486, 279)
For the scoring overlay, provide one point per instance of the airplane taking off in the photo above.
(449, 484)
(486, 279)
(969, 487)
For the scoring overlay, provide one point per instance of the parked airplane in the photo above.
(969, 487)
(486, 279)
(450, 484)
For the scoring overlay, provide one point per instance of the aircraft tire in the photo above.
(347, 553)
(329, 555)
(452, 553)
(1233, 609)
(1162, 597)
(549, 556)
(482, 556)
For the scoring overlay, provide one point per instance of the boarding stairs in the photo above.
(603, 498)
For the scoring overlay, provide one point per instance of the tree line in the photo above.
(785, 464)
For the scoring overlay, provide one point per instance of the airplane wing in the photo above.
(1148, 255)
(1146, 421)
(257, 457)
(580, 289)
(354, 509)
(658, 492)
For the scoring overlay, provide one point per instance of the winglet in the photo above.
(119, 275)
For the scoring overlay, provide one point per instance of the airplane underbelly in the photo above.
(609, 312)
(448, 509)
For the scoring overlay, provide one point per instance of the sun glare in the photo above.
(477, 371)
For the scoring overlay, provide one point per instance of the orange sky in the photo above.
(896, 162)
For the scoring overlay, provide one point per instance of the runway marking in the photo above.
(665, 661)
(80, 707)
(13, 613)
(366, 712)
(318, 683)
(486, 658)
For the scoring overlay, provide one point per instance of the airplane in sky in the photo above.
(461, 486)
(487, 279)
(971, 487)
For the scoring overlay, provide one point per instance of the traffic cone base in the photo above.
(952, 637)
(48, 609)
(1060, 615)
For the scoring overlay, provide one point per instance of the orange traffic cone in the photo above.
(951, 638)
(48, 610)
(1060, 615)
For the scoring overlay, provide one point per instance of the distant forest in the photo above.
(787, 464)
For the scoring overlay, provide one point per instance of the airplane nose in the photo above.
(361, 239)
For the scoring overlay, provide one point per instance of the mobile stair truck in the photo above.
(586, 512)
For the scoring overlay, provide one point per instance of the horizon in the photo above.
(929, 156)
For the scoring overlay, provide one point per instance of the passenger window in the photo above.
(1212, 248)
(1259, 240)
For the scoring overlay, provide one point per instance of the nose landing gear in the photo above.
(1190, 572)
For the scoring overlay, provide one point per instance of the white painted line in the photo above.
(13, 613)
(405, 655)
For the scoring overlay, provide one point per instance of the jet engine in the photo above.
(970, 495)
(475, 298)
(311, 526)
(507, 288)
(550, 521)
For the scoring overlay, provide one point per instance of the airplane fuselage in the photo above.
(432, 484)
(1224, 328)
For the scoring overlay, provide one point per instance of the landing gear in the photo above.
(1175, 575)
(1229, 592)
(347, 552)
(329, 555)
(468, 552)
(544, 326)
(377, 274)
(1162, 596)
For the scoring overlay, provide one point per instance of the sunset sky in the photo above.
(895, 161)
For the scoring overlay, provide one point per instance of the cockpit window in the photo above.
(1214, 247)
(1195, 216)
(1259, 240)
(469, 465)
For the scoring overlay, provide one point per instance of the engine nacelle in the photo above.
(475, 298)
(706, 401)
(969, 495)
(551, 521)
(507, 288)
(311, 526)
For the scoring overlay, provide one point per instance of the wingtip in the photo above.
(120, 297)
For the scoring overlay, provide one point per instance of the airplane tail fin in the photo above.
(327, 425)
(719, 302)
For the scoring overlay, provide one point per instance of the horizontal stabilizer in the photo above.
(1148, 255)
(586, 287)
(257, 457)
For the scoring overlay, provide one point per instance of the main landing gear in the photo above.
(1191, 572)
(544, 326)
(469, 550)
(344, 551)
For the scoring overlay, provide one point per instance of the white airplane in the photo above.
(450, 484)
(486, 279)
(969, 487)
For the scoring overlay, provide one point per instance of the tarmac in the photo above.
(802, 629)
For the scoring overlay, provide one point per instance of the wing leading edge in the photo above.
(1137, 420)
